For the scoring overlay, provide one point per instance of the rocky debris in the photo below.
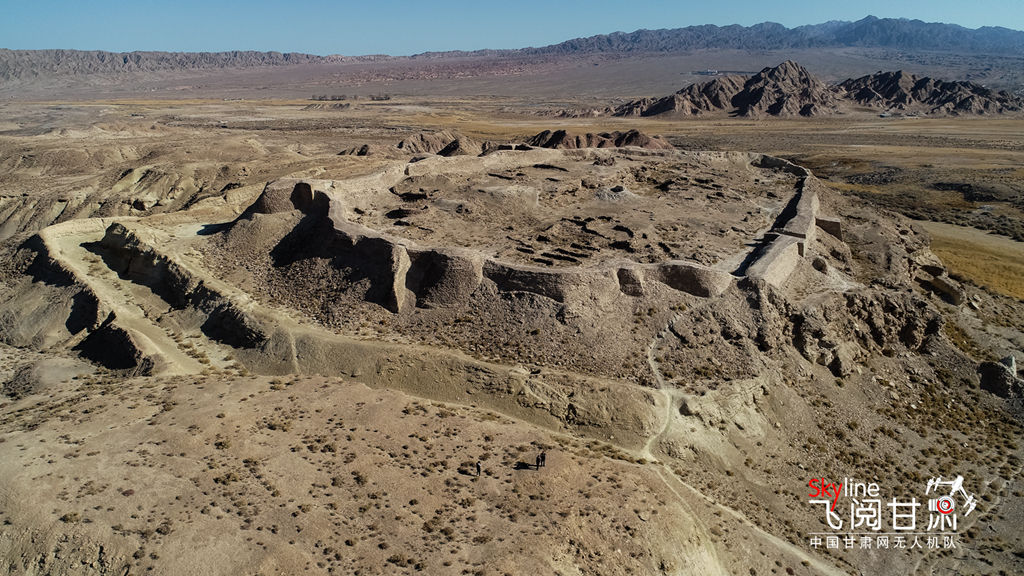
(1000, 378)
(614, 194)
(902, 91)
(563, 139)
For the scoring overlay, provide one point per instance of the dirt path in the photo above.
(819, 566)
(117, 294)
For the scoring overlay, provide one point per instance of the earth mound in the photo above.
(449, 143)
(563, 139)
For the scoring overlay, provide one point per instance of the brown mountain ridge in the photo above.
(789, 89)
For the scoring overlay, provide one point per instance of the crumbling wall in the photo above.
(789, 243)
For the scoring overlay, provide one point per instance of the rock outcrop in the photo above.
(902, 91)
(785, 90)
(1000, 378)
(427, 142)
(690, 101)
(790, 90)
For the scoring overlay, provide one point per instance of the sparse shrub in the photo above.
(399, 560)
(281, 425)
(227, 478)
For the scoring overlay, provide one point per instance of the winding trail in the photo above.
(819, 566)
(665, 391)
(670, 478)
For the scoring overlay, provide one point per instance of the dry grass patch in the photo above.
(994, 262)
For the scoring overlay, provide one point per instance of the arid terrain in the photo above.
(282, 335)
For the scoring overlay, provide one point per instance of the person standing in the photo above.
(479, 467)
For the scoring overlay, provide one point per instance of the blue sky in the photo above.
(400, 27)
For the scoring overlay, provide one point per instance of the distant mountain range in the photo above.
(871, 32)
(789, 89)
(31, 64)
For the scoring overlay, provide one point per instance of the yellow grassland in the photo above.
(989, 260)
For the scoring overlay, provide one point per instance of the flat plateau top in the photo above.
(581, 211)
